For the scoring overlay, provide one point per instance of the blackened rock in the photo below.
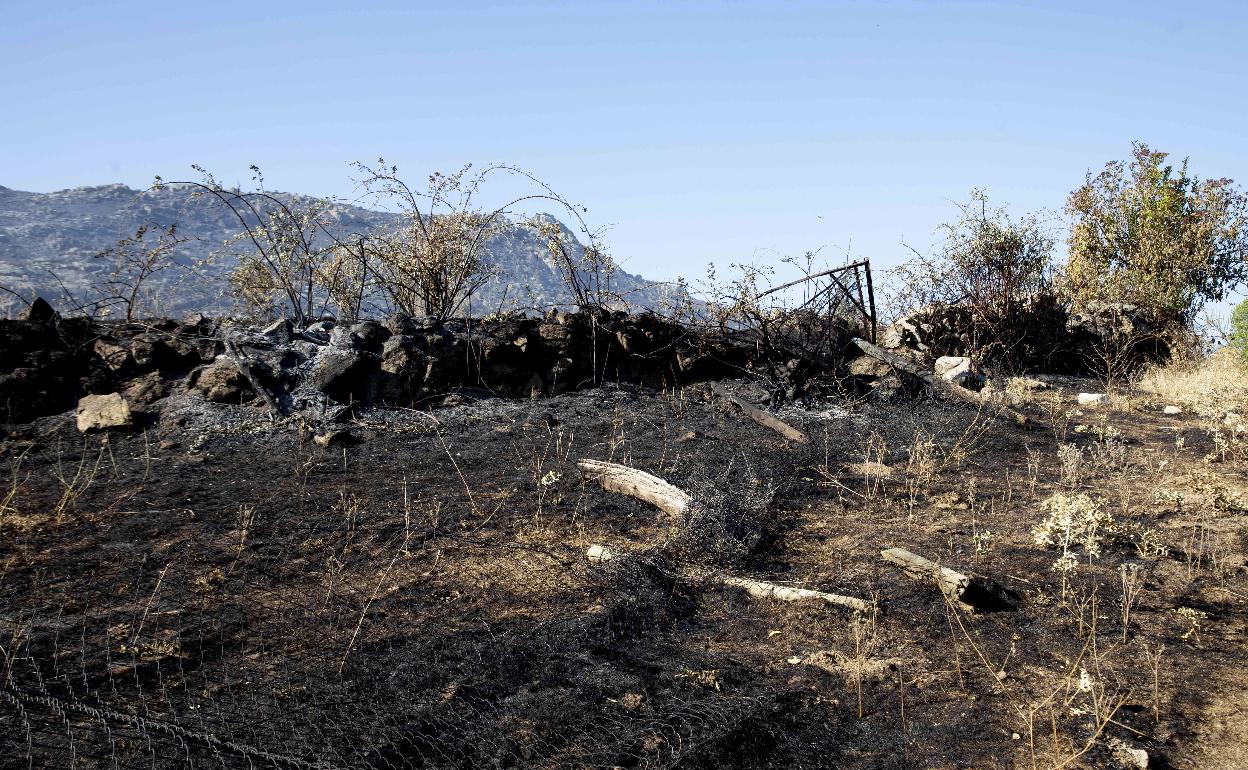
(320, 327)
(345, 375)
(342, 338)
(146, 390)
(39, 312)
(143, 350)
(403, 370)
(280, 331)
(370, 333)
(221, 382)
(400, 323)
(114, 356)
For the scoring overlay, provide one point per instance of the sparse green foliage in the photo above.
(135, 259)
(434, 261)
(1153, 235)
(1238, 338)
(279, 245)
(991, 264)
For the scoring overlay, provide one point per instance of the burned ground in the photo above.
(416, 593)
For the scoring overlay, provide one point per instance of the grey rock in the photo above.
(103, 412)
(114, 355)
(959, 370)
(400, 323)
(343, 338)
(370, 333)
(334, 370)
(280, 331)
(304, 349)
(220, 382)
(320, 327)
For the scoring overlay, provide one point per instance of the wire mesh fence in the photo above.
(352, 634)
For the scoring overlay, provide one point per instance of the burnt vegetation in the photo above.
(998, 522)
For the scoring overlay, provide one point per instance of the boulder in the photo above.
(144, 350)
(342, 374)
(402, 370)
(115, 357)
(320, 327)
(304, 350)
(146, 390)
(221, 382)
(280, 331)
(959, 370)
(39, 312)
(557, 336)
(868, 367)
(399, 323)
(103, 412)
(1092, 399)
(370, 333)
(1172, 410)
(342, 338)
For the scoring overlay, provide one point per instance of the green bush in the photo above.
(1150, 234)
(1239, 329)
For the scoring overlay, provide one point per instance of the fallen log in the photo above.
(761, 417)
(971, 593)
(629, 481)
(940, 384)
(759, 589)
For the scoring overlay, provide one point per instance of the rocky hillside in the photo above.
(49, 243)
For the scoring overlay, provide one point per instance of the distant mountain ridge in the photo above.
(48, 243)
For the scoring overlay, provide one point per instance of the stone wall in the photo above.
(47, 363)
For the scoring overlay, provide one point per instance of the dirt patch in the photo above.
(230, 592)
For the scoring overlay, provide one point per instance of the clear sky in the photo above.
(699, 131)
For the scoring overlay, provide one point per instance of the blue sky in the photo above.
(697, 131)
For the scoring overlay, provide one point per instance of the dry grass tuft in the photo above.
(1210, 386)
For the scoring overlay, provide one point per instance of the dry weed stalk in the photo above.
(1132, 576)
(1076, 681)
(1154, 656)
(84, 475)
(8, 503)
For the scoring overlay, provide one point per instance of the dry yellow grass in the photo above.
(1210, 386)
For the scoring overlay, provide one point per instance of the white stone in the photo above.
(100, 412)
(1172, 410)
(957, 369)
(1128, 754)
(1092, 399)
(945, 365)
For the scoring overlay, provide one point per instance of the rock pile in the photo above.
(1046, 336)
(47, 365)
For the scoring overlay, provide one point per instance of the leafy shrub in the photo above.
(1150, 234)
(1238, 339)
(990, 264)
